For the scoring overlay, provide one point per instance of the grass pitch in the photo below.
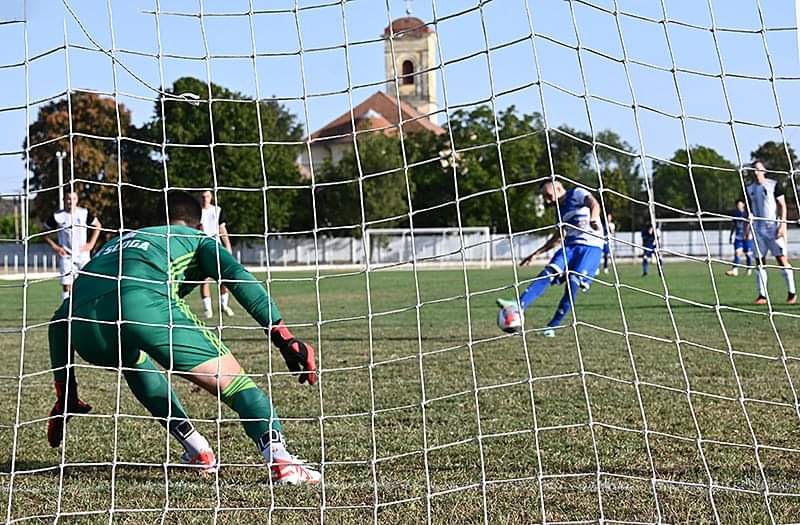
(425, 412)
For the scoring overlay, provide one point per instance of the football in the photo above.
(509, 320)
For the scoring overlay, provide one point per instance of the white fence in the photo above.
(431, 249)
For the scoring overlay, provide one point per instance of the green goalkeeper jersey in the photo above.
(171, 261)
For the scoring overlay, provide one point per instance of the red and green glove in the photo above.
(67, 405)
(299, 356)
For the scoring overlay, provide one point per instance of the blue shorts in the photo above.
(580, 259)
(745, 245)
(649, 250)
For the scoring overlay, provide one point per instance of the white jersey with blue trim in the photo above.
(576, 217)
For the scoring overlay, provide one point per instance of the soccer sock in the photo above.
(761, 281)
(193, 441)
(64, 295)
(252, 405)
(736, 258)
(570, 292)
(537, 287)
(645, 264)
(224, 299)
(749, 260)
(152, 390)
(272, 446)
(207, 304)
(788, 276)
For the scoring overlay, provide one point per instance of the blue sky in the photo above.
(467, 81)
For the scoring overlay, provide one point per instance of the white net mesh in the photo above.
(379, 173)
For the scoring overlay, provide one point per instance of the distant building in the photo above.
(411, 56)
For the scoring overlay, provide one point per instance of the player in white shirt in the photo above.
(73, 248)
(213, 222)
(768, 215)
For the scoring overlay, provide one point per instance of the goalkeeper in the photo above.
(133, 319)
(577, 261)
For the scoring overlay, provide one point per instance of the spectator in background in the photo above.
(213, 223)
(649, 235)
(74, 250)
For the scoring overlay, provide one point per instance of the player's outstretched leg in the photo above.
(260, 422)
(153, 391)
(542, 281)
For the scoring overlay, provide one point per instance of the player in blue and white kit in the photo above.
(648, 246)
(742, 239)
(578, 259)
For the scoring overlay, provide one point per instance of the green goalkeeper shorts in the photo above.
(163, 328)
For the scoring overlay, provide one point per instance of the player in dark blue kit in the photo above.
(578, 259)
(742, 239)
(649, 246)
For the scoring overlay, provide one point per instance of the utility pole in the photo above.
(60, 155)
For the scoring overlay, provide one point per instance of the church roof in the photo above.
(407, 26)
(379, 111)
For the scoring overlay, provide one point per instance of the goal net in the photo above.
(334, 141)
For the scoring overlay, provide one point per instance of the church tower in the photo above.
(411, 55)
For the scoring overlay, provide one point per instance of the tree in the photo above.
(717, 186)
(230, 157)
(89, 159)
(338, 195)
(776, 156)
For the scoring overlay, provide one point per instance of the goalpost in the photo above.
(429, 246)
(669, 398)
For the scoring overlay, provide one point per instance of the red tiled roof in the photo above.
(376, 112)
(407, 26)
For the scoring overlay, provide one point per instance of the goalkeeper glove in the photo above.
(299, 356)
(64, 404)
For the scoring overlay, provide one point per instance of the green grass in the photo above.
(440, 373)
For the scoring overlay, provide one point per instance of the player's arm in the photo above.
(224, 237)
(95, 225)
(223, 230)
(780, 211)
(594, 212)
(221, 265)
(548, 245)
(51, 224)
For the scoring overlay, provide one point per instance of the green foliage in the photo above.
(230, 157)
(776, 156)
(380, 180)
(92, 160)
(674, 184)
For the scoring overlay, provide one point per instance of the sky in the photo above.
(305, 46)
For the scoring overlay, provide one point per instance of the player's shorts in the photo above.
(745, 245)
(766, 242)
(580, 260)
(648, 251)
(163, 328)
(69, 266)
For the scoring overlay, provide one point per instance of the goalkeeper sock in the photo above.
(252, 405)
(736, 259)
(273, 446)
(151, 389)
(224, 299)
(788, 276)
(193, 442)
(207, 304)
